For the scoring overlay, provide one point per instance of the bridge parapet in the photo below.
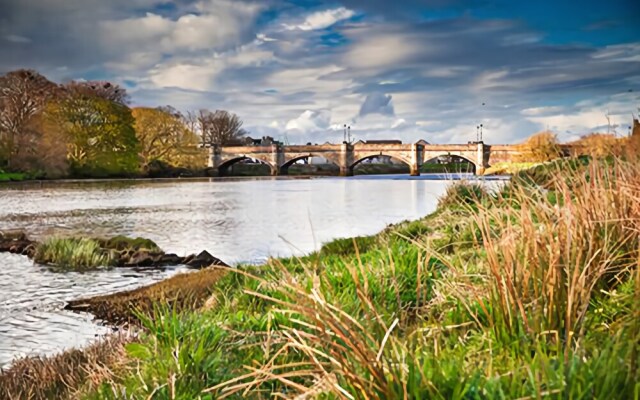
(346, 156)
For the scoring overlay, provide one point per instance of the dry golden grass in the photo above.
(547, 258)
(183, 291)
(60, 376)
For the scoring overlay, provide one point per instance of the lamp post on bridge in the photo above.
(346, 138)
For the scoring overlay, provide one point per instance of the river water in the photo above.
(238, 221)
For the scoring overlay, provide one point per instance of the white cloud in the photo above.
(373, 51)
(184, 76)
(535, 111)
(202, 75)
(310, 121)
(220, 24)
(399, 123)
(323, 19)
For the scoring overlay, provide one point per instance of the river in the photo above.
(238, 221)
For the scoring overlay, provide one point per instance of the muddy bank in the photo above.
(180, 292)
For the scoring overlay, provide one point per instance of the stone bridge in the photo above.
(346, 156)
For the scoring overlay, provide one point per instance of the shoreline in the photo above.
(425, 176)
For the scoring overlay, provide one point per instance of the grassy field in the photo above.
(530, 292)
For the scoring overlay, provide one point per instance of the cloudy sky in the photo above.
(404, 69)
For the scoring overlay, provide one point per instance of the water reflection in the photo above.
(237, 221)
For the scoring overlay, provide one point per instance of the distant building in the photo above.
(383, 141)
(249, 141)
(636, 128)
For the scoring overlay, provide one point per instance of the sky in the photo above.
(299, 70)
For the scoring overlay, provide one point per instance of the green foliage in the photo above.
(165, 140)
(12, 177)
(77, 254)
(102, 140)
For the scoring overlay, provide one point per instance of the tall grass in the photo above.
(547, 260)
(73, 253)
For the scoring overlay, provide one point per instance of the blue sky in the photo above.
(406, 69)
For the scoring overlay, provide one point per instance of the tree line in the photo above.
(88, 129)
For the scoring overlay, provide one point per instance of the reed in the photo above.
(546, 259)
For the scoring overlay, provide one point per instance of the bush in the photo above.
(598, 145)
(540, 147)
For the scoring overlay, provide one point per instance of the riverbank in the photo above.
(249, 171)
(492, 296)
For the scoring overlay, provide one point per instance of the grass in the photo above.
(61, 375)
(182, 291)
(525, 293)
(83, 254)
(73, 254)
(509, 168)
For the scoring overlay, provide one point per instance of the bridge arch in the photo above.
(429, 158)
(284, 168)
(224, 166)
(364, 157)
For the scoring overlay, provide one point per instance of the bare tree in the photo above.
(219, 127)
(102, 89)
(23, 95)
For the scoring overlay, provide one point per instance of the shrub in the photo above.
(540, 147)
(598, 145)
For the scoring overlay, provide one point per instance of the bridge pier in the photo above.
(215, 157)
(417, 157)
(346, 159)
(346, 171)
(481, 160)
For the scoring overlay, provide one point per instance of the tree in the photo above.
(540, 147)
(164, 136)
(219, 127)
(23, 95)
(48, 154)
(101, 137)
(103, 89)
